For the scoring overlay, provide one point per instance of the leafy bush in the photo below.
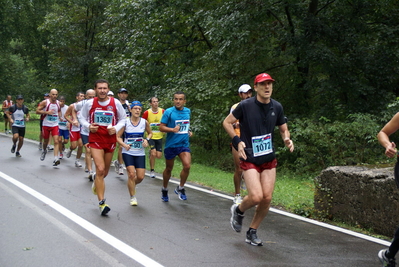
(320, 144)
(212, 157)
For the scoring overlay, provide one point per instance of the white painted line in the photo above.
(332, 227)
(294, 216)
(111, 240)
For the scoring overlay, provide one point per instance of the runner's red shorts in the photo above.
(260, 168)
(107, 147)
(47, 130)
(74, 136)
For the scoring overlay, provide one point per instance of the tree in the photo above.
(73, 46)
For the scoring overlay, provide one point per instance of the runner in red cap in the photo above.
(258, 117)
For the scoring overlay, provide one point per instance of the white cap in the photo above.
(244, 88)
(110, 93)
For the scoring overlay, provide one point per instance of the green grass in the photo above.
(32, 130)
(294, 194)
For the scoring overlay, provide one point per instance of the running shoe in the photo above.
(164, 195)
(116, 165)
(386, 262)
(237, 199)
(40, 146)
(61, 155)
(120, 169)
(69, 153)
(43, 156)
(77, 163)
(91, 174)
(9, 131)
(252, 238)
(50, 147)
(181, 193)
(152, 174)
(56, 162)
(13, 148)
(86, 169)
(93, 186)
(133, 201)
(104, 209)
(236, 219)
(17, 154)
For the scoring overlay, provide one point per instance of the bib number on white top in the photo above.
(184, 126)
(62, 123)
(262, 145)
(103, 117)
(19, 122)
(52, 118)
(135, 143)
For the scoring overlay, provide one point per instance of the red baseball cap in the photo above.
(263, 77)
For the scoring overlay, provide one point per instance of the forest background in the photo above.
(335, 64)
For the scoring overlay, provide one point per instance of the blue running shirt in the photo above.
(171, 118)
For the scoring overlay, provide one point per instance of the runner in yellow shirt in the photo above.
(154, 116)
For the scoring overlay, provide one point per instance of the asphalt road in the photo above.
(49, 217)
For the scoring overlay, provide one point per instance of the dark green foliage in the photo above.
(336, 61)
(203, 152)
(322, 143)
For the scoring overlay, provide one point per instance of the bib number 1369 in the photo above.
(103, 118)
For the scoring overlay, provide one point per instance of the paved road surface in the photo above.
(49, 217)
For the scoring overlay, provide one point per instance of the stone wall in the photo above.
(360, 196)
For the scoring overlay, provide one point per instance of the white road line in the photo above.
(83, 241)
(111, 240)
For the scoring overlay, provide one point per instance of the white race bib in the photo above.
(262, 145)
(136, 143)
(184, 126)
(155, 127)
(52, 118)
(19, 122)
(103, 117)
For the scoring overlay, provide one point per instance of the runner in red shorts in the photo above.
(258, 117)
(74, 130)
(51, 110)
(104, 116)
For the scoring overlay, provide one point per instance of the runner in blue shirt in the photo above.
(176, 123)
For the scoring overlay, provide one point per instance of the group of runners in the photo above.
(98, 122)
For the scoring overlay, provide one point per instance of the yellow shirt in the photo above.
(154, 119)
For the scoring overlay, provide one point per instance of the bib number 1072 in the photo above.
(262, 145)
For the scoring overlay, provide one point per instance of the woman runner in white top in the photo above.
(133, 144)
